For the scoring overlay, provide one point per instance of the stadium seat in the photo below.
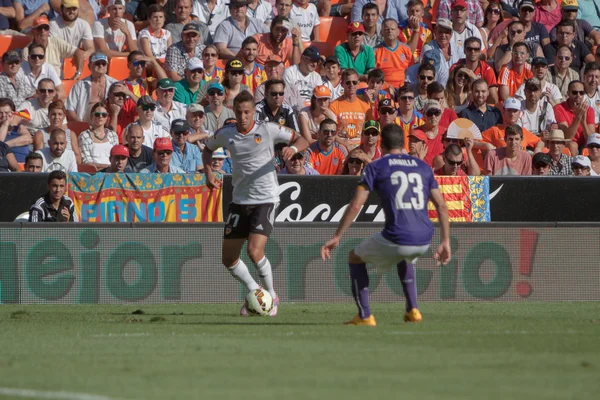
(78, 127)
(325, 48)
(21, 166)
(69, 69)
(68, 85)
(90, 169)
(333, 30)
(117, 68)
(9, 42)
(220, 64)
(334, 2)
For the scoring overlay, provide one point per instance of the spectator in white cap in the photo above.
(582, 166)
(593, 146)
(115, 36)
(195, 117)
(509, 160)
(219, 161)
(186, 89)
(561, 163)
(537, 114)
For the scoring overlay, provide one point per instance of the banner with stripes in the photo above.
(144, 198)
(467, 197)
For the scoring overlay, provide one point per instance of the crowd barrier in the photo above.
(172, 263)
(322, 199)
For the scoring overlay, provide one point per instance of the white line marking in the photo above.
(121, 334)
(39, 394)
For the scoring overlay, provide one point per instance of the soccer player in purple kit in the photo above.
(405, 185)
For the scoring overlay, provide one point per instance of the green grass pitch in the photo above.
(199, 351)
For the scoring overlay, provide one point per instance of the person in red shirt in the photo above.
(437, 92)
(431, 129)
(480, 68)
(454, 164)
(575, 117)
(469, 163)
(370, 137)
(416, 144)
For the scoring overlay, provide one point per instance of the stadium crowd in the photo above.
(138, 86)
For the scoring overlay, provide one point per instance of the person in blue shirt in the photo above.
(404, 185)
(185, 155)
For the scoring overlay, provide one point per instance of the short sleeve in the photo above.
(131, 28)
(280, 134)
(215, 141)
(71, 103)
(221, 34)
(590, 116)
(87, 32)
(543, 32)
(317, 20)
(559, 114)
(98, 30)
(368, 178)
(66, 49)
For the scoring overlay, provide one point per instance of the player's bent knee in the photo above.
(353, 258)
(255, 253)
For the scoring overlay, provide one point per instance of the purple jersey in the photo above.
(403, 184)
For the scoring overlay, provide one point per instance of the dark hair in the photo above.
(133, 54)
(369, 6)
(488, 9)
(96, 106)
(426, 67)
(249, 40)
(56, 105)
(573, 82)
(413, 3)
(513, 23)
(155, 8)
(243, 97)
(5, 101)
(389, 20)
(272, 82)
(473, 39)
(60, 175)
(278, 20)
(453, 149)
(33, 156)
(512, 130)
(376, 74)
(347, 72)
(45, 80)
(405, 89)
(521, 44)
(477, 82)
(591, 66)
(392, 137)
(327, 121)
(34, 46)
(564, 23)
(435, 87)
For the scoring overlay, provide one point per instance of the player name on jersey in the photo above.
(404, 163)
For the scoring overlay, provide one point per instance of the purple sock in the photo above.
(360, 288)
(406, 273)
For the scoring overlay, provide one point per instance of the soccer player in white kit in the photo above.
(255, 189)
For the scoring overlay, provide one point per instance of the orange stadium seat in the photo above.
(22, 166)
(90, 169)
(68, 85)
(9, 42)
(333, 30)
(78, 127)
(334, 2)
(220, 64)
(69, 69)
(117, 68)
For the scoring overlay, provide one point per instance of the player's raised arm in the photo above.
(358, 201)
(443, 253)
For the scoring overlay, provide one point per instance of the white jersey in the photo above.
(158, 44)
(457, 41)
(254, 175)
(306, 18)
(535, 122)
(336, 91)
(594, 102)
(66, 162)
(549, 87)
(306, 84)
(155, 131)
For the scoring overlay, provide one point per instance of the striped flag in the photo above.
(467, 198)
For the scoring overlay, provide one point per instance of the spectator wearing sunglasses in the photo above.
(353, 53)
(303, 75)
(562, 74)
(406, 115)
(437, 92)
(274, 68)
(584, 26)
(13, 85)
(540, 165)
(355, 163)
(511, 159)
(38, 106)
(167, 110)
(95, 143)
(449, 163)
(91, 90)
(458, 92)
(115, 36)
(216, 112)
(72, 25)
(154, 40)
(16, 137)
(163, 154)
(550, 93)
(515, 73)
(210, 56)
(453, 162)
(312, 116)
(481, 69)
(370, 138)
(272, 108)
(36, 68)
(56, 49)
(575, 117)
(479, 111)
(350, 111)
(593, 146)
(152, 130)
(431, 130)
(297, 166)
(121, 108)
(565, 36)
(182, 16)
(185, 155)
(425, 76)
(326, 155)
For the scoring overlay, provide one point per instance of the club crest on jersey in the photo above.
(227, 230)
(335, 161)
(281, 121)
(402, 57)
(257, 138)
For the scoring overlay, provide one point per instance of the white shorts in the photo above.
(384, 254)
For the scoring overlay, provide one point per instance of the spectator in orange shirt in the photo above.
(350, 111)
(575, 117)
(407, 116)
(279, 42)
(326, 155)
(510, 116)
(509, 160)
(392, 56)
(370, 137)
(513, 74)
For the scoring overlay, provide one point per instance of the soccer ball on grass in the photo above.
(259, 302)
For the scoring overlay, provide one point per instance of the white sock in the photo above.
(266, 275)
(240, 272)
